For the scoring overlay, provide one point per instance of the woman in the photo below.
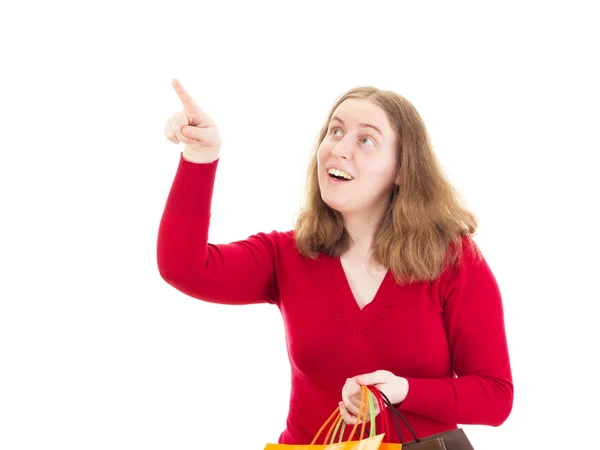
(379, 284)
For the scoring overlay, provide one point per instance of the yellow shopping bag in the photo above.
(372, 442)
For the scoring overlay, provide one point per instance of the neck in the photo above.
(361, 229)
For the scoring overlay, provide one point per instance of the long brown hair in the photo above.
(425, 225)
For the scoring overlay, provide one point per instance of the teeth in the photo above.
(340, 173)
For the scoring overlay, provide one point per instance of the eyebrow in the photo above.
(368, 125)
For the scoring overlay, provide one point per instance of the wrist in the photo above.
(401, 391)
(201, 157)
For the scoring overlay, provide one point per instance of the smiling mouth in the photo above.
(339, 175)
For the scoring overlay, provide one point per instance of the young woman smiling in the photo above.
(380, 283)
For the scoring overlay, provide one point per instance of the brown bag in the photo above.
(449, 440)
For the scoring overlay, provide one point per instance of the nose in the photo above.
(343, 149)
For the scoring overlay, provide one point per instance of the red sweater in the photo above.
(446, 337)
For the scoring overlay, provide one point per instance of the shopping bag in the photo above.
(337, 427)
(449, 440)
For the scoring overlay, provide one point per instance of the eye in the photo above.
(363, 139)
(333, 130)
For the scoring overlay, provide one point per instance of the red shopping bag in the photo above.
(337, 426)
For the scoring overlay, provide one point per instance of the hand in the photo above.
(193, 127)
(395, 388)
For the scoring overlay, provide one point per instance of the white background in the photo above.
(97, 351)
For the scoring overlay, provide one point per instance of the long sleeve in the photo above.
(482, 391)
(240, 272)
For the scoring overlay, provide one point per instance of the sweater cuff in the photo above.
(192, 188)
(429, 397)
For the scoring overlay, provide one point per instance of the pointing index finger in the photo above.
(186, 99)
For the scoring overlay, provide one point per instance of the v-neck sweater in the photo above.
(446, 337)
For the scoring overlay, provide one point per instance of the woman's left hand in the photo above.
(395, 388)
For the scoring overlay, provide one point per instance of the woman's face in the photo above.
(357, 160)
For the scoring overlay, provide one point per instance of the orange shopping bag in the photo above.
(372, 442)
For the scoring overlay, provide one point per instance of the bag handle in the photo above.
(366, 394)
(335, 414)
(385, 423)
(366, 402)
(397, 415)
(362, 412)
(336, 420)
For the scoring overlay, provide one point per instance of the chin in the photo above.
(335, 204)
(335, 200)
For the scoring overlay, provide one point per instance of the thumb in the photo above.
(181, 120)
